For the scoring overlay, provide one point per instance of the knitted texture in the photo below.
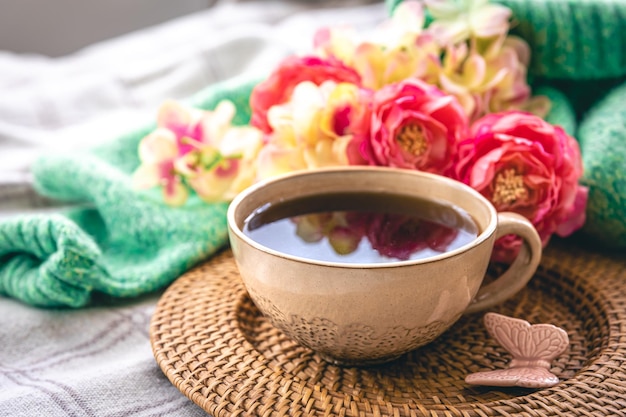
(561, 111)
(602, 136)
(573, 39)
(121, 242)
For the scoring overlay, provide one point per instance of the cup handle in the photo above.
(522, 268)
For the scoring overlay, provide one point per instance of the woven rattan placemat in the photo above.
(216, 348)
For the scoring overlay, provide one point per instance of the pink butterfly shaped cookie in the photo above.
(533, 348)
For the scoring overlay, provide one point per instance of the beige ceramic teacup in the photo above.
(358, 314)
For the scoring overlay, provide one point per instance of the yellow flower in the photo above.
(397, 49)
(379, 66)
(400, 31)
(313, 130)
(489, 76)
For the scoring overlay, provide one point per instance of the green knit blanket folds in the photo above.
(117, 241)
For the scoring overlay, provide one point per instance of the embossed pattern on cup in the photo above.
(353, 341)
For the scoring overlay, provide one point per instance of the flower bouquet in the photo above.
(440, 87)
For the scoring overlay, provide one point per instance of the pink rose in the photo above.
(292, 71)
(413, 125)
(523, 164)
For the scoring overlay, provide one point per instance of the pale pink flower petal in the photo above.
(171, 113)
(158, 146)
(146, 176)
(217, 122)
(409, 16)
(275, 160)
(458, 21)
(575, 219)
(451, 32)
(490, 20)
(175, 193)
(213, 185)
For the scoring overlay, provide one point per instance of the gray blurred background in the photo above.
(59, 27)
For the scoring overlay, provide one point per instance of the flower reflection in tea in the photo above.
(392, 236)
(364, 235)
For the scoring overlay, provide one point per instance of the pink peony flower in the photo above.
(292, 71)
(523, 164)
(413, 125)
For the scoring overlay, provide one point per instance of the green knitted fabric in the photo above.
(573, 39)
(561, 110)
(602, 136)
(120, 242)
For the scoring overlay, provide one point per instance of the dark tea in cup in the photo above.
(361, 227)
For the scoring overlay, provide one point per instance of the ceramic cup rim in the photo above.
(484, 234)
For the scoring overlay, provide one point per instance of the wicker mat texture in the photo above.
(217, 349)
